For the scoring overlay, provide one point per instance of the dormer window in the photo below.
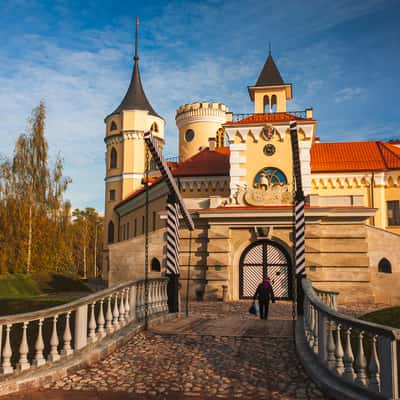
(113, 126)
(154, 127)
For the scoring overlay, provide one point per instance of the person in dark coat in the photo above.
(264, 293)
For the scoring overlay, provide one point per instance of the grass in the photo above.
(387, 316)
(20, 293)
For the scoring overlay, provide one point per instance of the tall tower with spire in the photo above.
(270, 92)
(125, 147)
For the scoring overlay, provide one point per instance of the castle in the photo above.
(235, 175)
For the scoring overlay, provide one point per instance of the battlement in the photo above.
(202, 108)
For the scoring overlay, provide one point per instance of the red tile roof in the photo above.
(272, 117)
(354, 156)
(205, 163)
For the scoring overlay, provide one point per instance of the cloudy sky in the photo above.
(342, 56)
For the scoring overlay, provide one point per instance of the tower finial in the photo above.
(136, 58)
(269, 47)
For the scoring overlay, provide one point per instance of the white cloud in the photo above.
(349, 93)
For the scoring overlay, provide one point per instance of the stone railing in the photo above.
(360, 354)
(46, 336)
(327, 297)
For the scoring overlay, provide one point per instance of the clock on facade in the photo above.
(269, 149)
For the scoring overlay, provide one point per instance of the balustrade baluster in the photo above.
(6, 367)
(67, 350)
(109, 316)
(127, 305)
(116, 313)
(315, 330)
(92, 324)
(39, 346)
(100, 321)
(122, 318)
(164, 296)
(339, 351)
(374, 367)
(132, 302)
(151, 297)
(331, 359)
(361, 361)
(23, 363)
(312, 322)
(54, 356)
(139, 301)
(348, 358)
(159, 297)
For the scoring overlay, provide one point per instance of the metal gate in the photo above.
(261, 259)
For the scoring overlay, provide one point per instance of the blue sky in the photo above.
(343, 58)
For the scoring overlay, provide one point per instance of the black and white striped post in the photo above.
(174, 205)
(172, 253)
(299, 219)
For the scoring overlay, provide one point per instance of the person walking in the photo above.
(264, 293)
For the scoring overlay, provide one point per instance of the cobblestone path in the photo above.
(220, 352)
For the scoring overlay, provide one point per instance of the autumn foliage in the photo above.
(38, 230)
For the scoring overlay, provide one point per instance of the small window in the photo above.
(127, 230)
(112, 195)
(385, 266)
(113, 126)
(113, 158)
(189, 135)
(124, 234)
(155, 265)
(393, 212)
(111, 232)
(142, 224)
(135, 227)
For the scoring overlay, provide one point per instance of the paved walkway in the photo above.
(220, 352)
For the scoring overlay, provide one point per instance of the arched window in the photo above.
(111, 232)
(113, 126)
(385, 266)
(269, 176)
(267, 105)
(113, 158)
(154, 127)
(273, 103)
(155, 265)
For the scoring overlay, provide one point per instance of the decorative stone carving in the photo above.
(276, 194)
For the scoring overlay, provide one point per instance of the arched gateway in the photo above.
(265, 258)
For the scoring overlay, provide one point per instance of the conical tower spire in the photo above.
(135, 98)
(270, 74)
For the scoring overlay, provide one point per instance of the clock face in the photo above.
(269, 149)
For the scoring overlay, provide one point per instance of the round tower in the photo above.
(197, 122)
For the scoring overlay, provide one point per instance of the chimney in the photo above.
(309, 113)
(212, 141)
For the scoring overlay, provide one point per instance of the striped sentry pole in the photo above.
(299, 219)
(167, 175)
(172, 259)
(174, 203)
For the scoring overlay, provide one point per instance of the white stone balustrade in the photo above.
(362, 354)
(43, 337)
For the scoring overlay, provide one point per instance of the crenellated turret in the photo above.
(197, 122)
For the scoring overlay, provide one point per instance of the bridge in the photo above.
(114, 344)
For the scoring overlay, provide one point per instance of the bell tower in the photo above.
(125, 147)
(270, 93)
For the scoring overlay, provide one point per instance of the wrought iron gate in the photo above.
(261, 259)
